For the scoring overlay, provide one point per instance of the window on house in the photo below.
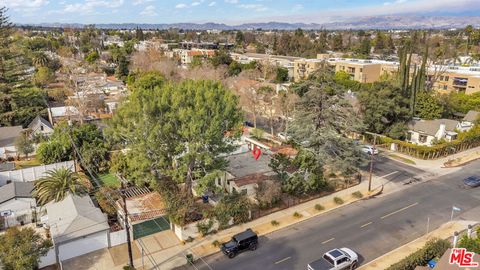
(219, 181)
(445, 87)
(41, 127)
(422, 138)
(441, 78)
(361, 69)
(446, 78)
(244, 191)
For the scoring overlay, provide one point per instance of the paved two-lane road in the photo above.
(370, 227)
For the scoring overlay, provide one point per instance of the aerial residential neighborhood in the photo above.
(239, 134)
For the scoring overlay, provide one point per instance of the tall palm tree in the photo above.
(57, 185)
(40, 59)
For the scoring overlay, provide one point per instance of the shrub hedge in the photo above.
(434, 248)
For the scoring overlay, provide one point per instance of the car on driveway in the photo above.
(336, 259)
(472, 181)
(368, 149)
(247, 240)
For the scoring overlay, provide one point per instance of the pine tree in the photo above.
(12, 70)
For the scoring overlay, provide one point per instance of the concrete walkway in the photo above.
(444, 232)
(262, 226)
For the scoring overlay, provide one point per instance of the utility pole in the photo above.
(371, 163)
(127, 227)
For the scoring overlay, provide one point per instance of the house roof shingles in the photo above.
(38, 120)
(8, 135)
(472, 116)
(244, 164)
(430, 127)
(251, 179)
(16, 190)
(74, 217)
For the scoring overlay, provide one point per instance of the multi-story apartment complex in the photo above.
(302, 68)
(444, 79)
(187, 56)
(364, 71)
(275, 60)
(447, 79)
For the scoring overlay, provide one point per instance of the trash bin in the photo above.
(205, 198)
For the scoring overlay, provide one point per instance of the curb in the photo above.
(354, 200)
(427, 236)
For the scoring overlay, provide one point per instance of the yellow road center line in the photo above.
(326, 241)
(366, 224)
(400, 210)
(282, 260)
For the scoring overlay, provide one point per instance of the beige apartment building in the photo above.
(302, 68)
(455, 79)
(364, 71)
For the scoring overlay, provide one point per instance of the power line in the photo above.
(200, 257)
(108, 196)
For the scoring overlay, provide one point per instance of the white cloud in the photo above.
(195, 4)
(23, 3)
(256, 7)
(231, 1)
(297, 7)
(395, 2)
(89, 6)
(149, 11)
(139, 2)
(181, 5)
(212, 4)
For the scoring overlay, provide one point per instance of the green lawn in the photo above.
(109, 180)
(22, 164)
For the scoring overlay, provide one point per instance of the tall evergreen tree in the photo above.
(323, 120)
(178, 130)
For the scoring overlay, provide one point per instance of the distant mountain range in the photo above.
(373, 22)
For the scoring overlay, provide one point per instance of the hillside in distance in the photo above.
(371, 22)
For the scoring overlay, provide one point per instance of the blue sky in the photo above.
(225, 11)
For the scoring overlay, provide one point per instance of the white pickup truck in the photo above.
(336, 259)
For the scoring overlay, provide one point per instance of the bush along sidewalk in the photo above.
(434, 248)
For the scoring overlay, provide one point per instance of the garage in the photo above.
(82, 246)
(77, 227)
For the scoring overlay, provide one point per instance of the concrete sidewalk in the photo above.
(174, 255)
(444, 232)
(204, 246)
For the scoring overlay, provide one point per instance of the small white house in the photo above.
(40, 126)
(77, 227)
(426, 132)
(244, 172)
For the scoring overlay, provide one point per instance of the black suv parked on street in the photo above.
(247, 240)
